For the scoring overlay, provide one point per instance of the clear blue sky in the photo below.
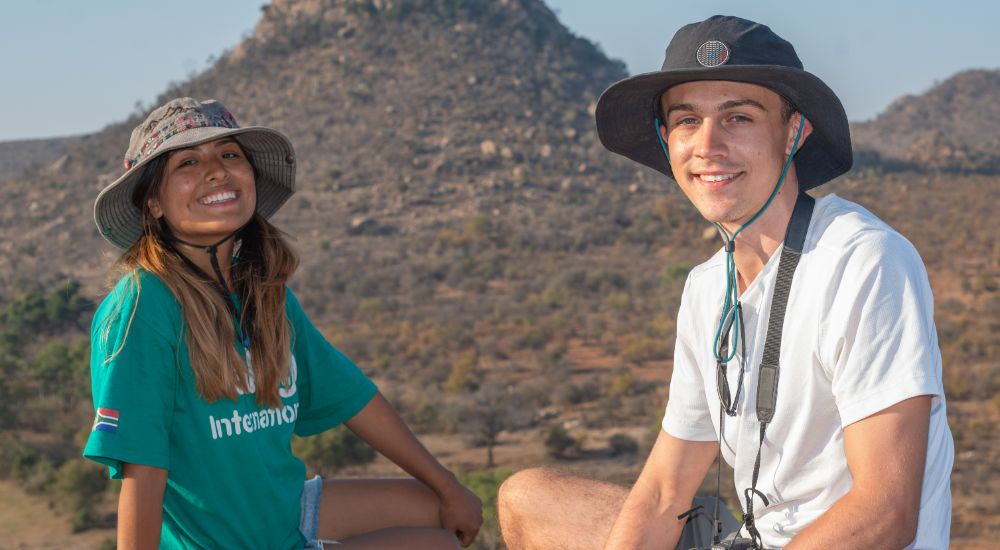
(73, 66)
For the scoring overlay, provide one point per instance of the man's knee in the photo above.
(517, 490)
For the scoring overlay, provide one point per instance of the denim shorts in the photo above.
(312, 494)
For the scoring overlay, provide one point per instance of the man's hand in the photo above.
(665, 488)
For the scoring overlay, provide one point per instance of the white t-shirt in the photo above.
(858, 338)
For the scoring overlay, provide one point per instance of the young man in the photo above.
(849, 446)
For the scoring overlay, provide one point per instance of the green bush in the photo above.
(78, 483)
(485, 484)
(332, 450)
(558, 442)
(623, 444)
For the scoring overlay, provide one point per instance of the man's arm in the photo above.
(140, 506)
(885, 453)
(665, 488)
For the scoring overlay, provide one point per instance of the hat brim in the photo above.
(120, 221)
(626, 114)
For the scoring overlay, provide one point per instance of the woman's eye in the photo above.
(187, 162)
(230, 155)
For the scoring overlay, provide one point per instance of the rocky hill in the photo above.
(22, 158)
(468, 241)
(404, 114)
(952, 127)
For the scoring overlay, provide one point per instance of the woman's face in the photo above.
(207, 192)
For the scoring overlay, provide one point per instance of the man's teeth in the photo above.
(722, 177)
(218, 197)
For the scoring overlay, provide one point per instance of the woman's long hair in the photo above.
(265, 263)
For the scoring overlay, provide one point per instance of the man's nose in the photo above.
(709, 140)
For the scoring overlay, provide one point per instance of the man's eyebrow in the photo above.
(733, 103)
(678, 107)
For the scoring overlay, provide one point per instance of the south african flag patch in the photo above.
(106, 420)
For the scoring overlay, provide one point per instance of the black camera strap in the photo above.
(767, 382)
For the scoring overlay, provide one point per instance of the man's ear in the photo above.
(154, 207)
(793, 129)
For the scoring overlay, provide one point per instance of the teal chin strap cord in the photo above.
(732, 289)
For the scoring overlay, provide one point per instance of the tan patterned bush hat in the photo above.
(182, 123)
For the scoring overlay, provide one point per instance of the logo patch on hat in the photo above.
(712, 53)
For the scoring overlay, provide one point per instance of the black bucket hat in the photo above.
(734, 49)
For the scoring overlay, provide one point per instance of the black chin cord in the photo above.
(213, 252)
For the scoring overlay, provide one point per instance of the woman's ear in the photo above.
(154, 207)
(793, 129)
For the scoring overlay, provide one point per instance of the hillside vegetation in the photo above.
(510, 285)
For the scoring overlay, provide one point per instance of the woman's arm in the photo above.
(383, 429)
(140, 507)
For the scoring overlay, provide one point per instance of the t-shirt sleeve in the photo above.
(880, 338)
(332, 388)
(133, 376)
(688, 415)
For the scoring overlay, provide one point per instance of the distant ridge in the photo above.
(953, 127)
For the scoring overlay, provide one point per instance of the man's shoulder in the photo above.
(846, 228)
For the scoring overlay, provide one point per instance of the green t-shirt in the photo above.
(233, 481)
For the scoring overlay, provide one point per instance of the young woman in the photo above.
(203, 363)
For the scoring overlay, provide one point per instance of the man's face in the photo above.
(728, 142)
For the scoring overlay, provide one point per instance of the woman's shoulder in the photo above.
(139, 294)
(293, 308)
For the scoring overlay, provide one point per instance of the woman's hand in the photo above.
(461, 512)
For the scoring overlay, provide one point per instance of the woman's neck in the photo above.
(203, 259)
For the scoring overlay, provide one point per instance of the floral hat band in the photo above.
(188, 121)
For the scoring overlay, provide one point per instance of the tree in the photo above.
(492, 410)
(65, 304)
(62, 370)
(78, 485)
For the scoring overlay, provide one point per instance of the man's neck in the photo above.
(756, 244)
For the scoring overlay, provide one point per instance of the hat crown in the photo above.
(172, 119)
(746, 43)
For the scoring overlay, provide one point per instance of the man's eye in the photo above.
(740, 118)
(686, 121)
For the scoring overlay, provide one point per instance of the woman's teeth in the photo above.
(218, 197)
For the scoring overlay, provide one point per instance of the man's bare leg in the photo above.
(541, 509)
